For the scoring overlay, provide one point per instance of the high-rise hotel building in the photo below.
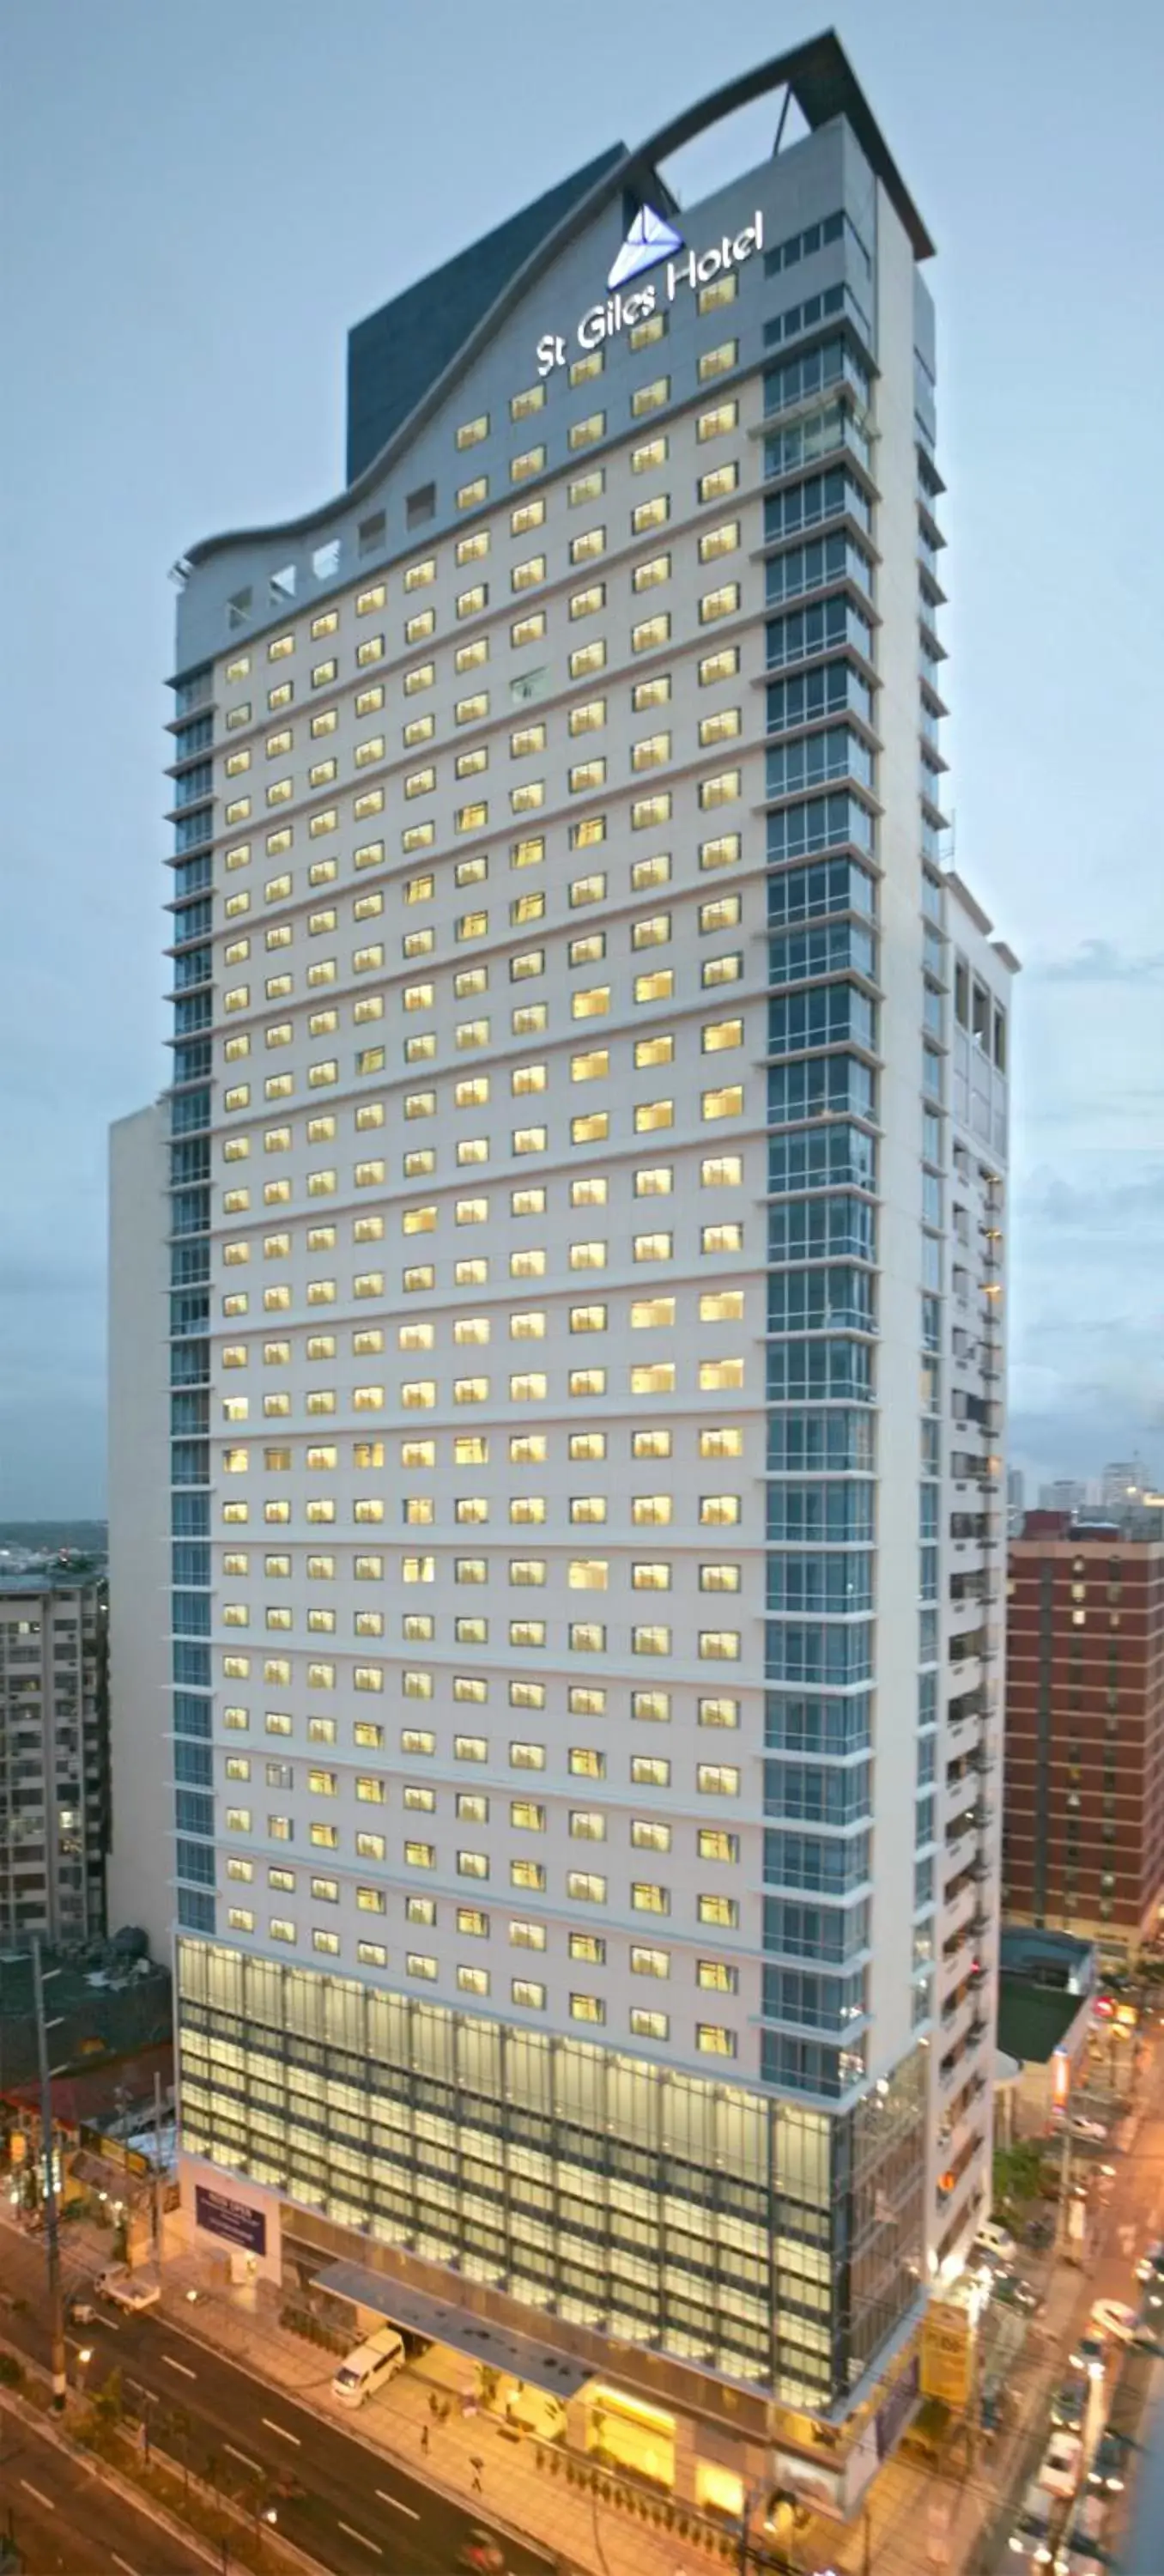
(588, 1130)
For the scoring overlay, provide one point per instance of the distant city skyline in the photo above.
(130, 387)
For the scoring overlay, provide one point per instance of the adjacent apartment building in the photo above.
(1083, 1847)
(587, 1224)
(54, 1800)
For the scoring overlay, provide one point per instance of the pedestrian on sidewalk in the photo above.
(424, 2439)
(434, 2405)
(476, 2466)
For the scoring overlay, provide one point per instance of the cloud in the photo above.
(1096, 961)
(52, 1452)
(1134, 1207)
(25, 1276)
(1099, 1378)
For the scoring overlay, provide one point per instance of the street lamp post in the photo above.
(84, 2357)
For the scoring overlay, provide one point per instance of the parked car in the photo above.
(1151, 2262)
(1062, 2461)
(80, 2312)
(1016, 2293)
(127, 2289)
(1088, 2353)
(1153, 2286)
(997, 2241)
(1107, 2467)
(1081, 2547)
(1093, 2131)
(1113, 2318)
(1032, 2523)
(1069, 2405)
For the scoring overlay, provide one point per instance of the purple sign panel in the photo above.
(233, 2219)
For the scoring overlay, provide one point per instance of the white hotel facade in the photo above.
(587, 1217)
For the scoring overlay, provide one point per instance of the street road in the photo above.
(359, 2514)
(1143, 2551)
(1141, 2203)
(1132, 2216)
(66, 2522)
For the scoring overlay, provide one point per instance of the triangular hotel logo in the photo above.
(648, 241)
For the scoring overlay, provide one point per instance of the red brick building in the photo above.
(1083, 1829)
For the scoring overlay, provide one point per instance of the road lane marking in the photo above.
(46, 2501)
(409, 2509)
(171, 2364)
(282, 2432)
(363, 2539)
(247, 2462)
(122, 2562)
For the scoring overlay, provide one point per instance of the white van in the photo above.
(369, 2367)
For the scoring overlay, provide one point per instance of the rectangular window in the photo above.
(652, 452)
(649, 398)
(722, 290)
(718, 361)
(719, 603)
(650, 632)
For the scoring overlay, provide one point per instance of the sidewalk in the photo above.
(911, 2512)
(595, 2538)
(917, 2522)
(920, 2522)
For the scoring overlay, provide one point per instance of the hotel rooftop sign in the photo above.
(650, 243)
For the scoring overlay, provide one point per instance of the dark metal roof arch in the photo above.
(824, 85)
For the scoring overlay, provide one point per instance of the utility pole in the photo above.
(51, 2237)
(158, 2171)
(751, 2500)
(1062, 2235)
